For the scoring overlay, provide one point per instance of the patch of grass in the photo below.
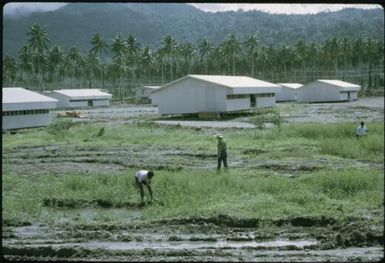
(240, 193)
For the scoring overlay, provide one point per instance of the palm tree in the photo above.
(187, 52)
(169, 48)
(301, 49)
(118, 49)
(9, 70)
(133, 50)
(26, 64)
(252, 44)
(74, 61)
(99, 47)
(146, 60)
(38, 41)
(55, 61)
(90, 61)
(313, 55)
(205, 49)
(231, 49)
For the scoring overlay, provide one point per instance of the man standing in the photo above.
(222, 152)
(144, 177)
(361, 130)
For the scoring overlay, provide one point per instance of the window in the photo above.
(237, 96)
(264, 95)
(25, 112)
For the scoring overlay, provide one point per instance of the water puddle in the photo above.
(178, 245)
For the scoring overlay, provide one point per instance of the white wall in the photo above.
(263, 102)
(77, 104)
(238, 104)
(26, 121)
(190, 96)
(286, 94)
(101, 103)
(318, 92)
(63, 101)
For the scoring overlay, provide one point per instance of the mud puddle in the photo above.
(177, 245)
(200, 239)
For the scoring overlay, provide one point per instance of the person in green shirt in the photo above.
(222, 152)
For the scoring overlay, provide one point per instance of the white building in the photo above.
(23, 108)
(288, 91)
(323, 90)
(144, 92)
(79, 98)
(213, 93)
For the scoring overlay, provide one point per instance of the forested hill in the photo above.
(76, 23)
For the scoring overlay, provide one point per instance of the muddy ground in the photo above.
(219, 238)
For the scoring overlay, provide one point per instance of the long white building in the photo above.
(23, 108)
(289, 91)
(324, 90)
(213, 93)
(80, 98)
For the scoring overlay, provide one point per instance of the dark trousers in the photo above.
(222, 157)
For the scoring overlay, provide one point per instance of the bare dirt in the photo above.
(367, 109)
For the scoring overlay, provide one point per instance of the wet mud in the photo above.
(219, 238)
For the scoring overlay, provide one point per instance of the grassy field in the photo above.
(243, 192)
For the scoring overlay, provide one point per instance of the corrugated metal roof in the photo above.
(21, 95)
(235, 81)
(339, 83)
(84, 93)
(291, 85)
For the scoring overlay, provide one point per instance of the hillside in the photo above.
(75, 24)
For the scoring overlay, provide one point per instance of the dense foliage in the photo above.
(121, 63)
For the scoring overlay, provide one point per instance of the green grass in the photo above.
(240, 193)
(237, 193)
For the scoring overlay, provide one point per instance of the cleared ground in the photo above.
(287, 197)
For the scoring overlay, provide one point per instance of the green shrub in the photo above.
(60, 126)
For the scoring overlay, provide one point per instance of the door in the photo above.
(252, 100)
(89, 102)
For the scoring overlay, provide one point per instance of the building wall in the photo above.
(66, 102)
(353, 95)
(26, 121)
(318, 92)
(348, 95)
(190, 96)
(233, 104)
(286, 94)
(101, 103)
(77, 104)
(63, 101)
(263, 102)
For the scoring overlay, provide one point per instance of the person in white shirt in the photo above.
(143, 177)
(361, 130)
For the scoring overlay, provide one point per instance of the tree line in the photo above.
(121, 63)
